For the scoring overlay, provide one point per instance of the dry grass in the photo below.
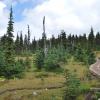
(32, 82)
(42, 80)
(97, 53)
(55, 94)
(76, 67)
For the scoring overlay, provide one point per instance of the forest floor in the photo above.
(44, 85)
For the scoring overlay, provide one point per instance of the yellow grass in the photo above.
(76, 67)
(28, 95)
(35, 80)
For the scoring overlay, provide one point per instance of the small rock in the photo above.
(34, 93)
(46, 89)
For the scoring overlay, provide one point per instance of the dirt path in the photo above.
(15, 89)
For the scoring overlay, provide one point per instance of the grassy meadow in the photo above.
(42, 85)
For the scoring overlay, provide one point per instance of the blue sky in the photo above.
(73, 16)
(19, 7)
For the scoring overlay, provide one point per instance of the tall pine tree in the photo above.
(63, 39)
(17, 45)
(9, 47)
(21, 42)
(91, 39)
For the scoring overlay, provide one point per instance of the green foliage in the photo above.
(2, 64)
(91, 39)
(10, 25)
(10, 71)
(90, 57)
(84, 55)
(9, 49)
(97, 41)
(27, 63)
(18, 69)
(17, 45)
(98, 94)
(9, 68)
(79, 54)
(63, 39)
(72, 86)
(39, 59)
(21, 42)
(51, 60)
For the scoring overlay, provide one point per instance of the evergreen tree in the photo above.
(58, 41)
(63, 38)
(17, 45)
(3, 41)
(90, 57)
(76, 39)
(91, 39)
(9, 47)
(21, 42)
(39, 59)
(53, 44)
(72, 86)
(79, 54)
(69, 44)
(70, 39)
(10, 29)
(25, 43)
(97, 41)
(84, 41)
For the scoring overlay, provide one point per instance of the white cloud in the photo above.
(3, 18)
(75, 16)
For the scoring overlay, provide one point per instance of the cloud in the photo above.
(75, 16)
(59, 15)
(3, 18)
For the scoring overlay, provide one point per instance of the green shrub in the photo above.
(39, 59)
(72, 84)
(84, 90)
(27, 64)
(52, 59)
(19, 69)
(98, 94)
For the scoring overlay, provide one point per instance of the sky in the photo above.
(73, 16)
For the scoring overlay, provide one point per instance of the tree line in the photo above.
(22, 44)
(49, 52)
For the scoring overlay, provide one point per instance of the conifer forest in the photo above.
(62, 67)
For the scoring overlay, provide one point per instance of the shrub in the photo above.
(39, 59)
(10, 71)
(52, 59)
(98, 94)
(19, 69)
(72, 86)
(2, 64)
(27, 63)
